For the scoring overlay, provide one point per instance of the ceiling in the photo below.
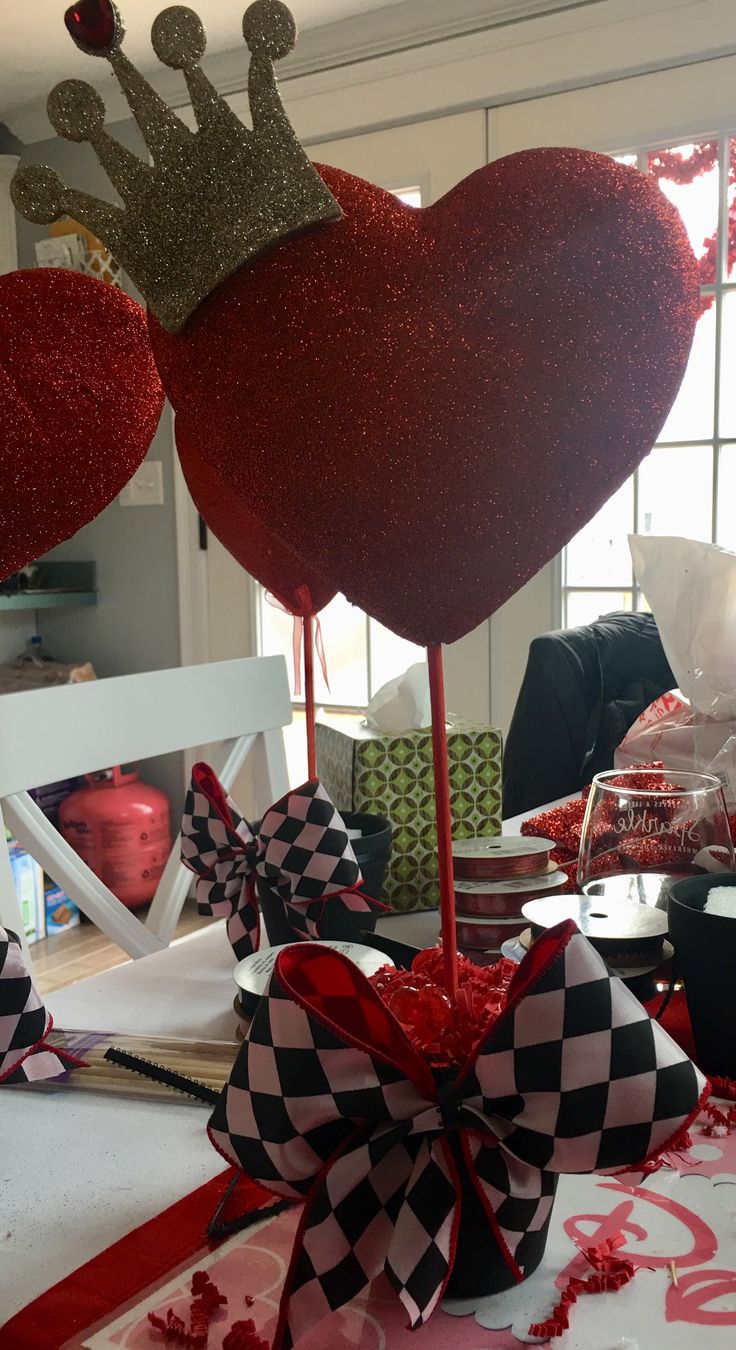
(36, 50)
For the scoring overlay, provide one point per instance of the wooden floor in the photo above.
(66, 957)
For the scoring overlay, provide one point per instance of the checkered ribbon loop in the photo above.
(25, 1023)
(302, 851)
(329, 1104)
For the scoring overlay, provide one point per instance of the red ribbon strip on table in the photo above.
(297, 639)
(302, 850)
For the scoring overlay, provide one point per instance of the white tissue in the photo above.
(691, 588)
(401, 704)
(722, 901)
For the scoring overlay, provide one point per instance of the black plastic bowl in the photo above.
(705, 952)
(373, 851)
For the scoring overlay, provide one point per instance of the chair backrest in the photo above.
(582, 689)
(57, 733)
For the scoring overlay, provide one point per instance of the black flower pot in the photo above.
(372, 850)
(480, 1268)
(705, 952)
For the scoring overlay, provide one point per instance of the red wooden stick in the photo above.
(309, 693)
(444, 819)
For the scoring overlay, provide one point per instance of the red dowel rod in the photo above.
(309, 693)
(444, 818)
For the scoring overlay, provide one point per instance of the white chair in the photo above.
(51, 734)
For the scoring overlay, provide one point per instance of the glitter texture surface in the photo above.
(245, 536)
(428, 404)
(212, 199)
(80, 403)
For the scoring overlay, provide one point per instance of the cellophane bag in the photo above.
(691, 589)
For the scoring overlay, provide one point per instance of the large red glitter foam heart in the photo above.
(427, 405)
(293, 582)
(80, 399)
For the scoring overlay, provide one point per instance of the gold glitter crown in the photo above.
(212, 199)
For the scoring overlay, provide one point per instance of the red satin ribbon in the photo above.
(298, 639)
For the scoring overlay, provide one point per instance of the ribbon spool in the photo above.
(252, 974)
(503, 899)
(479, 934)
(633, 932)
(497, 859)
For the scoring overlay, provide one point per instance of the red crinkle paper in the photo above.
(243, 1336)
(443, 1030)
(724, 1088)
(206, 1300)
(611, 1274)
(719, 1120)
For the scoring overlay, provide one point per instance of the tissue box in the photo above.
(393, 776)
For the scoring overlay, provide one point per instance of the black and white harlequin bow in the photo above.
(25, 1023)
(328, 1103)
(302, 850)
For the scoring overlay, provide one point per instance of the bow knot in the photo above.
(301, 851)
(329, 1103)
(450, 1105)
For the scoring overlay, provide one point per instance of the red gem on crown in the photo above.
(92, 24)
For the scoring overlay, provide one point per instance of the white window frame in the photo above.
(719, 289)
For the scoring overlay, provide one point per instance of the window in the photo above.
(361, 654)
(687, 483)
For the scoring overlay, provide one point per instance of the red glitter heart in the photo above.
(427, 405)
(92, 24)
(80, 401)
(245, 536)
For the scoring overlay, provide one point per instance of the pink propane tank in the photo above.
(121, 828)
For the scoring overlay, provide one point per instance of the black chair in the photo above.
(582, 690)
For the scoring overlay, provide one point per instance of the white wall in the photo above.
(135, 625)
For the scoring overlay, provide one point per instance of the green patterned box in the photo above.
(393, 776)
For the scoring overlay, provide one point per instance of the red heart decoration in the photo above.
(427, 405)
(245, 536)
(80, 399)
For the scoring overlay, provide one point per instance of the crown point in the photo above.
(95, 26)
(269, 29)
(76, 111)
(178, 37)
(38, 193)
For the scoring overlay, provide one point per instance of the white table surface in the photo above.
(79, 1170)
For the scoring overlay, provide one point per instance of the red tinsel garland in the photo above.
(677, 167)
(564, 824)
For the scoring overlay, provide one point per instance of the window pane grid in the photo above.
(701, 512)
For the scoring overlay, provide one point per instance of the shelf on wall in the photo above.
(48, 599)
(56, 585)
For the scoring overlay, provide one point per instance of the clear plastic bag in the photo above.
(691, 588)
